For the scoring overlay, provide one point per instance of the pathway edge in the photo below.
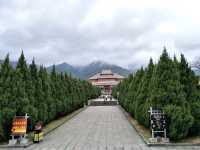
(70, 116)
(129, 118)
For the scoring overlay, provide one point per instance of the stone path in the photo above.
(97, 128)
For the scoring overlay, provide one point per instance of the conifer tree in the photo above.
(33, 71)
(166, 86)
(188, 79)
(43, 96)
(169, 85)
(22, 66)
(1, 128)
(19, 93)
(134, 86)
(7, 117)
(142, 99)
(190, 84)
(6, 73)
(180, 121)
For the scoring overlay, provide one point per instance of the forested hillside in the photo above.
(170, 85)
(84, 72)
(44, 96)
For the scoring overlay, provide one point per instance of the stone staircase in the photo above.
(125, 147)
(121, 148)
(101, 102)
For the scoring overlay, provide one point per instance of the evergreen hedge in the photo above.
(170, 85)
(44, 96)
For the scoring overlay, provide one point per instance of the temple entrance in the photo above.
(106, 80)
(106, 90)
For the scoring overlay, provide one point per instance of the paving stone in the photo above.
(97, 128)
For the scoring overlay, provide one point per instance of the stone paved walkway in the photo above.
(97, 128)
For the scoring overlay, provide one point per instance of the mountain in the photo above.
(84, 72)
(13, 63)
(64, 67)
(98, 66)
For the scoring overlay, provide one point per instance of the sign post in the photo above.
(19, 129)
(158, 126)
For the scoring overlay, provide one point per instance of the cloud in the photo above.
(123, 32)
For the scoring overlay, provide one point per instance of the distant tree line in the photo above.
(44, 96)
(170, 85)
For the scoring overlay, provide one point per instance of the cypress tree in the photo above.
(188, 79)
(22, 85)
(143, 93)
(6, 73)
(33, 71)
(6, 113)
(169, 85)
(22, 66)
(19, 93)
(190, 84)
(1, 128)
(42, 95)
(132, 95)
(7, 117)
(166, 87)
(180, 121)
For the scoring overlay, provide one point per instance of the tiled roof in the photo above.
(106, 72)
(106, 76)
(103, 83)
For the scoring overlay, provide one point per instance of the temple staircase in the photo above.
(102, 102)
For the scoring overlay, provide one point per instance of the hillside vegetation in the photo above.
(170, 85)
(84, 72)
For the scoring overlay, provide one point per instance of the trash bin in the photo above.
(38, 133)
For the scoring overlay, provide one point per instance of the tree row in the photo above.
(43, 96)
(170, 85)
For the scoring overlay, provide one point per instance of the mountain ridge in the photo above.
(84, 72)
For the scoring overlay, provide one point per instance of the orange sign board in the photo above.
(19, 126)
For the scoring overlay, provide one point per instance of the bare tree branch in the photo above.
(196, 64)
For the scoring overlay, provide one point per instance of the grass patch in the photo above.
(191, 140)
(143, 131)
(56, 123)
(49, 127)
(146, 134)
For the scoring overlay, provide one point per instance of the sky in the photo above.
(122, 32)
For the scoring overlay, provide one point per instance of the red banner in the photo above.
(19, 126)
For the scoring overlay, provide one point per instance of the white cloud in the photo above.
(117, 31)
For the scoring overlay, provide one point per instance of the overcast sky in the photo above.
(121, 32)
